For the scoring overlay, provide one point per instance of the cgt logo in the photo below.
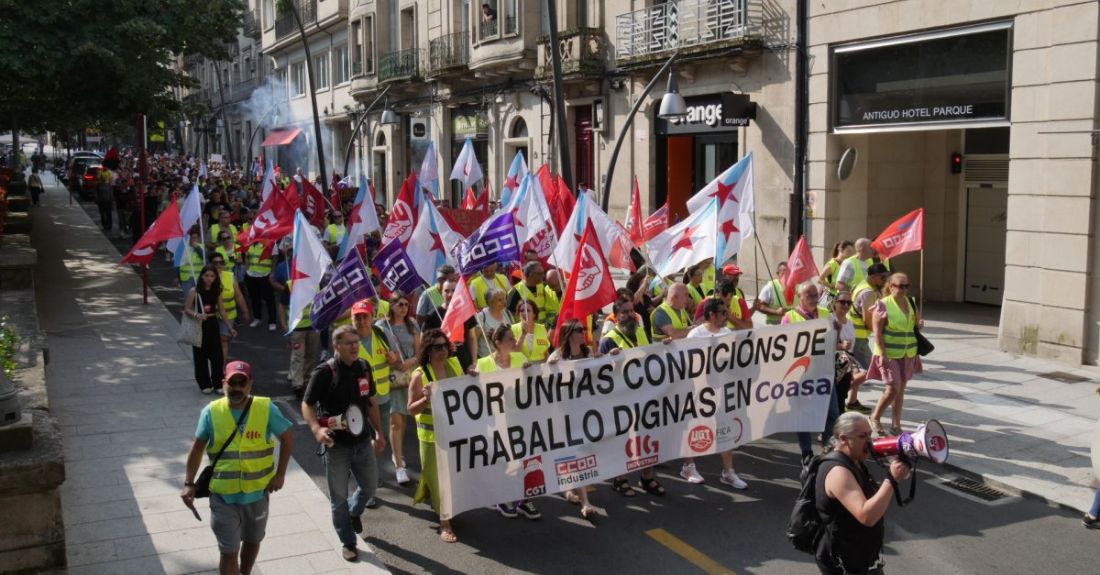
(573, 470)
(641, 452)
(700, 438)
(534, 481)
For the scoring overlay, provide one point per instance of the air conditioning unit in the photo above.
(419, 129)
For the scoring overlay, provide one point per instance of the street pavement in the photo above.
(1009, 424)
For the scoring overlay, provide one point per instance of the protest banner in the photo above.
(520, 433)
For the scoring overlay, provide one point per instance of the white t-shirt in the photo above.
(703, 331)
(847, 333)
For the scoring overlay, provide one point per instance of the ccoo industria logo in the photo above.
(574, 470)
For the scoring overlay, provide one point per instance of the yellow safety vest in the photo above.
(735, 304)
(336, 233)
(708, 280)
(680, 320)
(546, 300)
(781, 297)
(229, 296)
(479, 287)
(192, 262)
(696, 294)
(860, 270)
(861, 328)
(256, 262)
(832, 267)
(489, 364)
(230, 256)
(623, 342)
(376, 357)
(795, 316)
(217, 228)
(425, 424)
(898, 334)
(539, 347)
(248, 464)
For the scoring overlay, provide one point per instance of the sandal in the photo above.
(621, 485)
(895, 430)
(877, 428)
(448, 536)
(572, 497)
(652, 486)
(588, 511)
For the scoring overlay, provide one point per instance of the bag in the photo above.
(924, 347)
(190, 331)
(805, 528)
(202, 484)
(400, 379)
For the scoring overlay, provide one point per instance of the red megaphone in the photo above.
(929, 440)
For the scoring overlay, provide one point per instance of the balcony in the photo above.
(251, 25)
(449, 53)
(285, 24)
(691, 25)
(399, 65)
(583, 55)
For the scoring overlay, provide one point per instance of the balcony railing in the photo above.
(583, 54)
(450, 52)
(489, 30)
(356, 68)
(681, 24)
(251, 24)
(399, 65)
(285, 24)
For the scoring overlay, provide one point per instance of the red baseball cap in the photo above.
(238, 368)
(731, 270)
(362, 307)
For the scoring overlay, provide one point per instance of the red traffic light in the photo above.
(956, 163)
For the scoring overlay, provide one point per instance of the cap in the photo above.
(877, 269)
(731, 270)
(238, 368)
(362, 307)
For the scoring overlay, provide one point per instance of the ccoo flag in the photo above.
(350, 284)
(904, 235)
(494, 242)
(800, 268)
(396, 270)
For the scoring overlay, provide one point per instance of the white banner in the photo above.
(516, 434)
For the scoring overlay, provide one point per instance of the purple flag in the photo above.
(350, 284)
(494, 242)
(396, 269)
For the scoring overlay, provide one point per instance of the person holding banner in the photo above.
(807, 310)
(404, 336)
(716, 315)
(534, 340)
(435, 363)
(895, 360)
(772, 301)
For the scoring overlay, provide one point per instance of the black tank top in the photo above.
(847, 542)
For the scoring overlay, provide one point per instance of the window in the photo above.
(356, 48)
(511, 17)
(269, 14)
(519, 129)
(340, 61)
(297, 79)
(488, 20)
(320, 71)
(368, 45)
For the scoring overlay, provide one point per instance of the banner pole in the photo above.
(922, 278)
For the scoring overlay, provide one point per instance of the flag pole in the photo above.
(922, 276)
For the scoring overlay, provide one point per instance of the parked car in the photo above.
(88, 181)
(77, 166)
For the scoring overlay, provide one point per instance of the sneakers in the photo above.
(689, 473)
(730, 478)
(350, 554)
(207, 390)
(402, 476)
(255, 323)
(270, 327)
(219, 390)
(528, 510)
(1090, 522)
(357, 524)
(507, 510)
(371, 503)
(857, 406)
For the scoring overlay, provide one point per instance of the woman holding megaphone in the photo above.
(894, 346)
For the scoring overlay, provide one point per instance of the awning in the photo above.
(281, 137)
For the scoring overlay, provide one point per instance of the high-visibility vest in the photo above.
(435, 295)
(680, 320)
(795, 316)
(229, 295)
(859, 267)
(539, 345)
(217, 228)
(192, 263)
(230, 257)
(781, 298)
(898, 334)
(336, 233)
(479, 287)
(425, 424)
(258, 264)
(708, 280)
(735, 305)
(861, 328)
(376, 357)
(624, 342)
(832, 267)
(248, 464)
(489, 364)
(696, 294)
(545, 299)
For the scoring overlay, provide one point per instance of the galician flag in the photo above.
(189, 216)
(311, 260)
(689, 242)
(466, 169)
(733, 189)
(429, 172)
(363, 219)
(432, 243)
(516, 172)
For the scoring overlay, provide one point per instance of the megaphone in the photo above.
(929, 440)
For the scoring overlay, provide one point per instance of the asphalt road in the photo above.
(694, 529)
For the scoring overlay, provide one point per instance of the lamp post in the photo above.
(319, 143)
(672, 106)
(364, 120)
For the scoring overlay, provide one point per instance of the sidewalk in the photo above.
(125, 396)
(1007, 419)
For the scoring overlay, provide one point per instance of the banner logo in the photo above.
(641, 452)
(700, 438)
(590, 275)
(534, 482)
(401, 224)
(572, 470)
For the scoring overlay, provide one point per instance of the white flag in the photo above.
(311, 259)
(466, 169)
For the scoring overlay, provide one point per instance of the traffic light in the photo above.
(956, 163)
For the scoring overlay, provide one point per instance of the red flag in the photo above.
(634, 216)
(403, 215)
(469, 201)
(800, 268)
(656, 223)
(314, 208)
(274, 220)
(483, 201)
(166, 226)
(590, 285)
(460, 309)
(559, 198)
(904, 235)
(336, 200)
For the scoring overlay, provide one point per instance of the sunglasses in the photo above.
(401, 304)
(437, 346)
(902, 286)
(219, 263)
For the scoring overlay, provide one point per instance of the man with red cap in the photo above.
(740, 314)
(238, 433)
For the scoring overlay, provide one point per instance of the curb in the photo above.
(1009, 489)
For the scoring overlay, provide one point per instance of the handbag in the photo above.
(202, 484)
(924, 347)
(190, 331)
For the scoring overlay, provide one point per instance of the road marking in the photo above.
(693, 555)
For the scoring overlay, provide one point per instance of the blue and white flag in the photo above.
(362, 220)
(190, 211)
(429, 172)
(349, 284)
(494, 242)
(516, 173)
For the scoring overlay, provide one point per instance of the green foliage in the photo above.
(71, 64)
(9, 344)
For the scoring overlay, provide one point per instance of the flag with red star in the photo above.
(467, 169)
(516, 172)
(733, 190)
(363, 218)
(614, 239)
(433, 242)
(689, 242)
(311, 260)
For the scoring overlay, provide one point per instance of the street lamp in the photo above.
(672, 106)
(389, 117)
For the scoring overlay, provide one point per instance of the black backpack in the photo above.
(806, 528)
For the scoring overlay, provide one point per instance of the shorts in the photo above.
(399, 400)
(223, 328)
(233, 523)
(862, 353)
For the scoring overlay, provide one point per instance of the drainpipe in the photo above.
(795, 221)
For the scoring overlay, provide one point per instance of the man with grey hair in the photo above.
(807, 308)
(854, 269)
(672, 321)
(334, 387)
(850, 502)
